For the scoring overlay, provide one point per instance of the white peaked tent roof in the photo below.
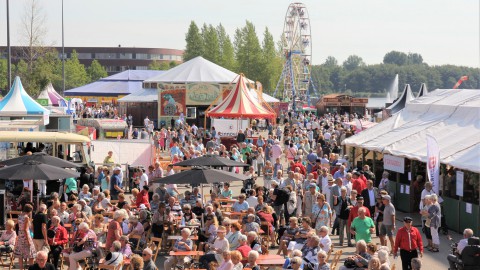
(266, 98)
(400, 103)
(197, 69)
(52, 96)
(423, 90)
(18, 103)
(451, 116)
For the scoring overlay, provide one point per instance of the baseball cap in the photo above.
(387, 197)
(407, 219)
(117, 169)
(360, 198)
(312, 185)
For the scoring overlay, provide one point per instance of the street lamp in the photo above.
(9, 51)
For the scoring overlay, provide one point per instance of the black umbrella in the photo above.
(35, 170)
(42, 158)
(211, 160)
(200, 175)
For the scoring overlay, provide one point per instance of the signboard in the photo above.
(201, 93)
(459, 184)
(433, 162)
(172, 102)
(392, 163)
(42, 101)
(229, 127)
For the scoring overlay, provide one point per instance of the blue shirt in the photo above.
(238, 207)
(114, 180)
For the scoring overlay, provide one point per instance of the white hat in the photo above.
(117, 169)
(142, 206)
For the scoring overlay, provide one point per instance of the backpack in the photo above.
(283, 195)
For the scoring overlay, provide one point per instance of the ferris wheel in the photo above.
(295, 81)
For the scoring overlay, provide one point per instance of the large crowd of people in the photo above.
(310, 191)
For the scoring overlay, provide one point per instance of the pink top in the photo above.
(226, 265)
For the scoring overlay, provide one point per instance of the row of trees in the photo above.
(354, 77)
(257, 61)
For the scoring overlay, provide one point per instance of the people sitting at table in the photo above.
(174, 205)
(161, 220)
(310, 250)
(85, 193)
(260, 203)
(148, 263)
(182, 244)
(188, 199)
(234, 235)
(99, 227)
(85, 208)
(8, 238)
(236, 257)
(114, 228)
(227, 263)
(217, 211)
(215, 251)
(252, 211)
(188, 217)
(115, 256)
(253, 242)
(136, 263)
(288, 260)
(85, 248)
(241, 205)
(145, 217)
(121, 201)
(135, 229)
(226, 192)
(302, 235)
(360, 258)
(244, 248)
(209, 231)
(325, 241)
(142, 198)
(266, 215)
(252, 260)
(322, 261)
(288, 235)
(251, 225)
(125, 249)
(101, 204)
(198, 208)
(57, 238)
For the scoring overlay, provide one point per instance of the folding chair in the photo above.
(336, 258)
(156, 245)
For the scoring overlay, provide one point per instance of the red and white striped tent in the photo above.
(240, 104)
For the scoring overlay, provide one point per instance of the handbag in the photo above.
(349, 263)
(427, 222)
(314, 222)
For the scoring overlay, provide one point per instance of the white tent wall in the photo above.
(131, 152)
(451, 116)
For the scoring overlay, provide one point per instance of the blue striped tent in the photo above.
(18, 103)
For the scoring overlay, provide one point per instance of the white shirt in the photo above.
(371, 196)
(143, 180)
(326, 242)
(462, 244)
(425, 192)
(252, 201)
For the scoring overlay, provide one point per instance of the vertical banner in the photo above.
(433, 162)
(459, 183)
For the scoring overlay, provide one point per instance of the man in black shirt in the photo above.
(41, 262)
(40, 228)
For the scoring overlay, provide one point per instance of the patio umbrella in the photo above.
(42, 158)
(35, 170)
(211, 160)
(200, 175)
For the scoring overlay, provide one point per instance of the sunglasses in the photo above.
(145, 254)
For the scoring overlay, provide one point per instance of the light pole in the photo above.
(9, 51)
(63, 54)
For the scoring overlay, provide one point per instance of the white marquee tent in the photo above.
(451, 116)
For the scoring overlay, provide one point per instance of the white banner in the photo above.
(392, 163)
(433, 163)
(229, 127)
(459, 183)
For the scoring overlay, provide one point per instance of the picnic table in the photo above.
(186, 253)
(270, 260)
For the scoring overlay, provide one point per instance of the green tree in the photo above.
(3, 74)
(353, 62)
(47, 69)
(194, 41)
(396, 58)
(159, 65)
(271, 62)
(227, 53)
(172, 64)
(414, 59)
(75, 73)
(96, 71)
(211, 44)
(330, 62)
(248, 51)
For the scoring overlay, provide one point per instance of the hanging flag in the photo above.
(433, 163)
(462, 79)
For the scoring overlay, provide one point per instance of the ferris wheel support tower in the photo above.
(296, 81)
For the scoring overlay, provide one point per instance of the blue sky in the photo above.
(442, 31)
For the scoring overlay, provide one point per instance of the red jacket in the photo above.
(142, 198)
(61, 236)
(303, 170)
(358, 185)
(408, 241)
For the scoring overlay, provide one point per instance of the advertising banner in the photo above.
(433, 163)
(229, 127)
(172, 101)
(392, 163)
(202, 93)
